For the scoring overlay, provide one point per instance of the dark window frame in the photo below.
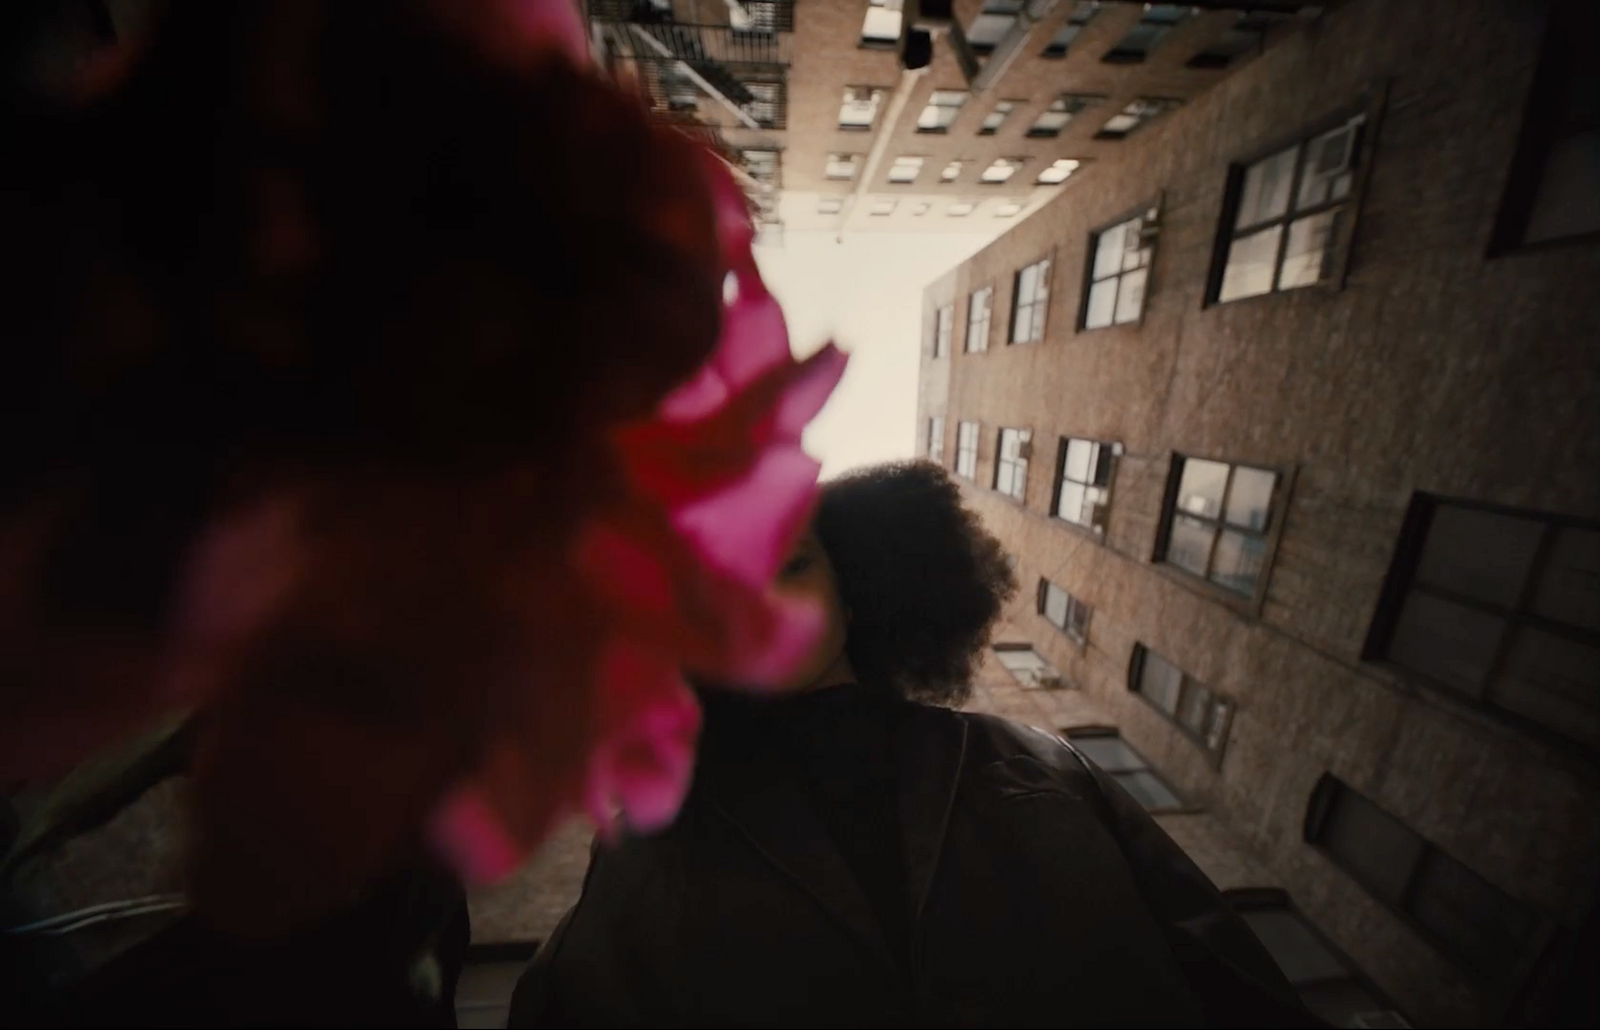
(1501, 978)
(974, 450)
(1151, 213)
(944, 319)
(1250, 606)
(1136, 662)
(1111, 453)
(1074, 603)
(1033, 304)
(1118, 54)
(1371, 105)
(1000, 461)
(988, 320)
(1079, 18)
(1400, 580)
(1071, 733)
(1275, 899)
(1557, 53)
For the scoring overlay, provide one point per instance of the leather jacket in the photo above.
(1041, 894)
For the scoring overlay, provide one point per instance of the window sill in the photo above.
(877, 44)
(855, 128)
(1249, 607)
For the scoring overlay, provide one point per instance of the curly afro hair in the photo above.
(921, 577)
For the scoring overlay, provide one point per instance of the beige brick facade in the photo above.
(1432, 369)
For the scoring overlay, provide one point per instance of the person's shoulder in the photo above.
(1004, 738)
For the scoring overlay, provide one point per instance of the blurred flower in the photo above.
(408, 405)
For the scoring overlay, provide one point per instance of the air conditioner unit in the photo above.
(1096, 516)
(1025, 449)
(1334, 152)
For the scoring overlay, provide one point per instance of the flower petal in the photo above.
(747, 528)
(467, 833)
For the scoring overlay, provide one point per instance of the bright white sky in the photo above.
(866, 295)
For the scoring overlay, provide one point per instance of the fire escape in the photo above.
(722, 79)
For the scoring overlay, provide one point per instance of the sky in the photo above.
(866, 295)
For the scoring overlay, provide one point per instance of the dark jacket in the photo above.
(1039, 894)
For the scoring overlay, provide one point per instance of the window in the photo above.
(1083, 482)
(1285, 214)
(763, 165)
(960, 209)
(1064, 611)
(1245, 36)
(1008, 209)
(1080, 16)
(967, 449)
(996, 116)
(992, 24)
(766, 104)
(761, 17)
(1118, 272)
(1030, 300)
(978, 320)
(941, 330)
(830, 205)
(1061, 111)
(1482, 929)
(1058, 172)
(842, 166)
(859, 109)
(1002, 169)
(921, 208)
(1553, 191)
(1500, 607)
(880, 208)
(1026, 666)
(905, 169)
(1138, 112)
(943, 106)
(1011, 462)
(1218, 518)
(1321, 974)
(881, 27)
(1201, 714)
(1158, 20)
(951, 172)
(1105, 748)
(936, 439)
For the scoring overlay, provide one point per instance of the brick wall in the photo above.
(1434, 368)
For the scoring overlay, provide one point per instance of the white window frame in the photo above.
(967, 434)
(1012, 449)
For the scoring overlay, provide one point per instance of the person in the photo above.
(858, 852)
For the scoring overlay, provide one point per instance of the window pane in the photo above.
(1102, 304)
(1552, 680)
(1250, 497)
(1108, 251)
(1251, 260)
(1569, 585)
(1078, 619)
(1148, 790)
(1298, 952)
(1194, 707)
(1130, 296)
(1080, 460)
(1160, 681)
(1041, 286)
(1132, 253)
(1055, 604)
(1109, 753)
(1378, 848)
(1189, 544)
(1201, 487)
(1450, 642)
(1266, 189)
(1070, 505)
(1238, 562)
(1483, 926)
(1482, 554)
(881, 24)
(1327, 159)
(1305, 257)
(1022, 327)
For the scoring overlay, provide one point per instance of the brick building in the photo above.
(1287, 412)
(813, 99)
